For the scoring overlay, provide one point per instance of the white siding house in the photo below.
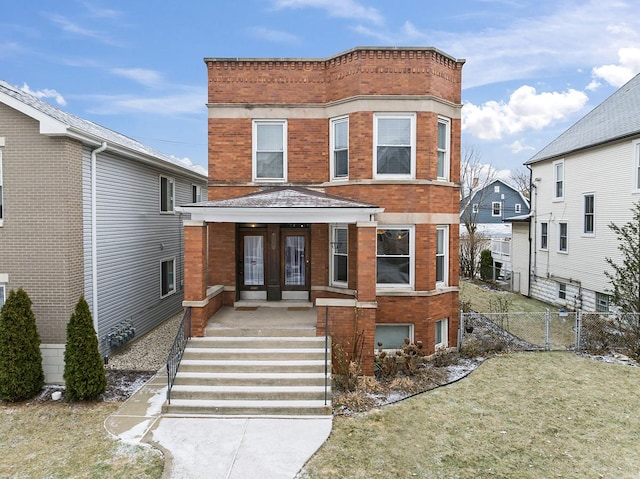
(584, 180)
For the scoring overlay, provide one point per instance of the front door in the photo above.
(295, 263)
(251, 264)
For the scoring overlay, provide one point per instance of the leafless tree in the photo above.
(520, 179)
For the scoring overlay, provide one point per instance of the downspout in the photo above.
(94, 233)
(532, 229)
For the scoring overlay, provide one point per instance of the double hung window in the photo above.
(558, 180)
(196, 193)
(563, 237)
(544, 235)
(167, 194)
(394, 143)
(442, 256)
(444, 129)
(270, 150)
(340, 148)
(496, 208)
(442, 333)
(1, 213)
(339, 255)
(168, 277)
(394, 254)
(589, 214)
(562, 290)
(3, 294)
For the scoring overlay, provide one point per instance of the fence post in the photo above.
(578, 330)
(461, 330)
(547, 322)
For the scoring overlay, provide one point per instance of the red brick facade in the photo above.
(307, 94)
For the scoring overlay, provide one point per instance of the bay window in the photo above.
(394, 256)
(394, 145)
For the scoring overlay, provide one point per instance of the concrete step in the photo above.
(250, 379)
(249, 408)
(281, 354)
(251, 393)
(261, 366)
(221, 331)
(268, 342)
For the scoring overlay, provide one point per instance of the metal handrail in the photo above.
(177, 350)
(326, 353)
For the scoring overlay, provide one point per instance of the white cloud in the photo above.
(343, 9)
(46, 93)
(189, 164)
(98, 12)
(70, 27)
(525, 110)
(190, 101)
(274, 36)
(517, 147)
(617, 75)
(140, 75)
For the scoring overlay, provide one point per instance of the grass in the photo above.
(480, 298)
(62, 440)
(526, 415)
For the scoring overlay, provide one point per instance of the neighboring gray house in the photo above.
(87, 211)
(583, 180)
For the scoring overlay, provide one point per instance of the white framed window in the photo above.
(558, 180)
(496, 208)
(1, 212)
(392, 336)
(339, 253)
(442, 255)
(589, 211)
(444, 140)
(442, 333)
(395, 256)
(496, 189)
(339, 147)
(3, 294)
(562, 291)
(270, 150)
(544, 235)
(394, 140)
(518, 208)
(636, 166)
(196, 193)
(603, 302)
(167, 194)
(474, 208)
(563, 237)
(167, 277)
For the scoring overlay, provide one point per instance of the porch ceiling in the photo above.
(283, 205)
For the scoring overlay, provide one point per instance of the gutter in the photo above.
(94, 240)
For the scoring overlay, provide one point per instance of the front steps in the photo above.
(252, 373)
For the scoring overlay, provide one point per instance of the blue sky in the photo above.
(532, 67)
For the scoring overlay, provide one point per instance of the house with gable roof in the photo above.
(85, 210)
(333, 184)
(582, 181)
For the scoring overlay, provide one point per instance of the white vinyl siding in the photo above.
(270, 150)
(444, 141)
(394, 145)
(339, 148)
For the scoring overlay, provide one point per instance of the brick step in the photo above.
(249, 393)
(250, 379)
(180, 407)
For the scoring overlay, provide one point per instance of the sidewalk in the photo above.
(218, 447)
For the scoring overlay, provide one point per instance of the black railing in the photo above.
(326, 354)
(177, 349)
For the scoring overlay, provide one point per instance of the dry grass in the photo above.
(479, 296)
(62, 440)
(527, 415)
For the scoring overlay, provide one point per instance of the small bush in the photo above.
(486, 265)
(21, 374)
(406, 360)
(346, 362)
(444, 357)
(84, 374)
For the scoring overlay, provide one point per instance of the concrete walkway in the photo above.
(218, 447)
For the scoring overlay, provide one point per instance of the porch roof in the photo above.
(283, 205)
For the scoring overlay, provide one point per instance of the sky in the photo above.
(533, 68)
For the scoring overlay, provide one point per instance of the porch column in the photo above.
(195, 273)
(366, 304)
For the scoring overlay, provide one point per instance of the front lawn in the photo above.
(525, 415)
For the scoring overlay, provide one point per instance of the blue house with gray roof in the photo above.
(85, 210)
(583, 180)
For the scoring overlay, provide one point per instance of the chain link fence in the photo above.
(593, 333)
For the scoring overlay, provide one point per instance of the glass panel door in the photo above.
(295, 264)
(253, 260)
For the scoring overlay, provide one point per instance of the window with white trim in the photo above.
(589, 214)
(444, 140)
(442, 333)
(558, 180)
(518, 208)
(392, 336)
(167, 194)
(196, 193)
(442, 255)
(544, 235)
(603, 302)
(496, 189)
(394, 256)
(474, 208)
(339, 146)
(339, 255)
(3, 294)
(562, 290)
(1, 212)
(496, 208)
(270, 150)
(563, 237)
(394, 139)
(167, 277)
(636, 165)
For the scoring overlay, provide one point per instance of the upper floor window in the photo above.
(544, 235)
(442, 255)
(339, 255)
(394, 257)
(444, 139)
(167, 194)
(168, 277)
(518, 208)
(636, 165)
(558, 180)
(589, 214)
(496, 189)
(496, 208)
(270, 150)
(563, 237)
(340, 148)
(394, 143)
(196, 193)
(474, 208)
(1, 214)
(3, 294)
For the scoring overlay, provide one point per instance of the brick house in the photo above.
(334, 182)
(85, 210)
